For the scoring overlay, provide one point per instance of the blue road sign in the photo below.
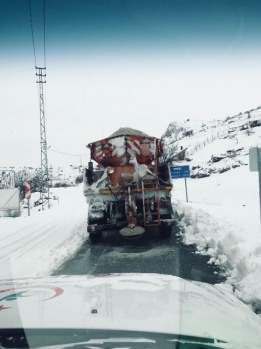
(179, 171)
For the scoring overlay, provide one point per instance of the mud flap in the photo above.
(132, 230)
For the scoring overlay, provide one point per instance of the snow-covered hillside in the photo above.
(225, 142)
(222, 216)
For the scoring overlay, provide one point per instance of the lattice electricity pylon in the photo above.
(44, 194)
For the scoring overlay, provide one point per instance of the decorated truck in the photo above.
(127, 186)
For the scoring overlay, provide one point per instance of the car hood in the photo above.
(130, 302)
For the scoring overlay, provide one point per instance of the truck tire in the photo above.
(97, 237)
(165, 232)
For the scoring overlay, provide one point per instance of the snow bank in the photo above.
(37, 245)
(229, 247)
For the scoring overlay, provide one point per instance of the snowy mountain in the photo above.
(215, 146)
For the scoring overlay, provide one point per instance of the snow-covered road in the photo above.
(38, 245)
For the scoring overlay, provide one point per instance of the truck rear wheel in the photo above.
(165, 232)
(97, 237)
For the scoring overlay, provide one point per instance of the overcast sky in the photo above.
(122, 63)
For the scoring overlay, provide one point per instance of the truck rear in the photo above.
(129, 188)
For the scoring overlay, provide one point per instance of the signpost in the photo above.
(180, 172)
(255, 165)
(28, 194)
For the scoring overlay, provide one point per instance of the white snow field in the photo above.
(222, 216)
(36, 245)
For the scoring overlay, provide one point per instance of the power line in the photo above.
(44, 32)
(32, 31)
(60, 152)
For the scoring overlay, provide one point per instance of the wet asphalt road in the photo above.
(148, 254)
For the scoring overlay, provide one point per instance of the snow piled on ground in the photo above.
(237, 254)
(39, 244)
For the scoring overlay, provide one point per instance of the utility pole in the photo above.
(44, 195)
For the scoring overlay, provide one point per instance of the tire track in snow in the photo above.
(23, 247)
(27, 242)
(23, 238)
(55, 254)
(26, 227)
